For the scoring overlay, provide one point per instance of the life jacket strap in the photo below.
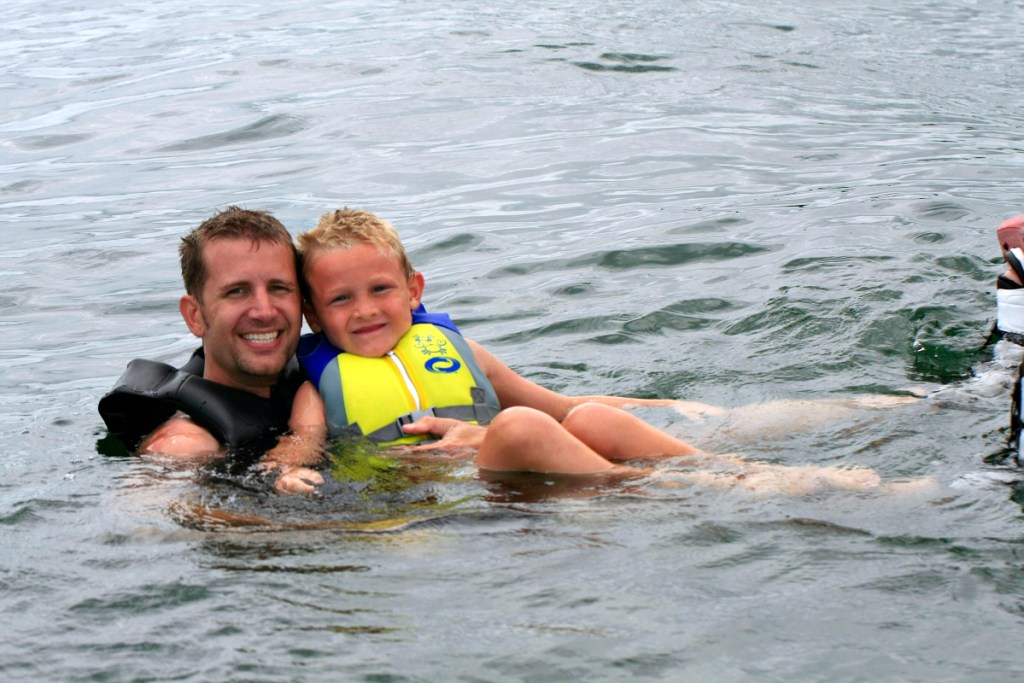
(1014, 258)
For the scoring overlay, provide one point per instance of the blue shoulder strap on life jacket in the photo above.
(420, 315)
(314, 353)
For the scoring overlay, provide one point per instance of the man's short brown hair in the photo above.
(231, 223)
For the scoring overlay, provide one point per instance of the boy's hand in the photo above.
(453, 433)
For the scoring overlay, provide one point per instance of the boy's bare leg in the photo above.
(524, 439)
(619, 435)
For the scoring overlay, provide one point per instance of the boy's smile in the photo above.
(361, 299)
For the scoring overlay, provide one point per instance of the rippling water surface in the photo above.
(717, 201)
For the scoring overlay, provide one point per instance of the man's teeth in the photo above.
(260, 337)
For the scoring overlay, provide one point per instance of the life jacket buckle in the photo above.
(409, 418)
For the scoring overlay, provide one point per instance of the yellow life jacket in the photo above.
(431, 371)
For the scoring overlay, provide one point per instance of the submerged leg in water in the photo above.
(767, 478)
(774, 420)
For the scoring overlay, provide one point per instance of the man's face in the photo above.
(249, 317)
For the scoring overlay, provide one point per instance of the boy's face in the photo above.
(361, 299)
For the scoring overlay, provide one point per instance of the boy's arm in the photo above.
(302, 447)
(515, 390)
(453, 433)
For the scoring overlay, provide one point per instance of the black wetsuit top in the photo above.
(149, 393)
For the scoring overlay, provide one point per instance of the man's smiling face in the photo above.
(249, 315)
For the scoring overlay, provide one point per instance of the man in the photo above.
(1010, 322)
(237, 393)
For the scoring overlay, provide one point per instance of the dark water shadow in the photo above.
(625, 62)
(266, 128)
(659, 256)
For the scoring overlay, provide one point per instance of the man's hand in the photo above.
(453, 433)
(297, 480)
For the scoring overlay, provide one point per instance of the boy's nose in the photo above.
(365, 307)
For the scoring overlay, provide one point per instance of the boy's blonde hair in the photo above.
(349, 228)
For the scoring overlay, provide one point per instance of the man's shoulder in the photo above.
(182, 439)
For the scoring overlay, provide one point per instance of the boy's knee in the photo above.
(523, 429)
(518, 423)
(587, 413)
(518, 439)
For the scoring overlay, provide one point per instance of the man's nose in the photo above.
(262, 304)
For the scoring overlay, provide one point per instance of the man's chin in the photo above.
(264, 374)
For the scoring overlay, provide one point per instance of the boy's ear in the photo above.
(416, 285)
(192, 312)
(311, 319)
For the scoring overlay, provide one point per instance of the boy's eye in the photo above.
(381, 288)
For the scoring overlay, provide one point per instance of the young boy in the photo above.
(391, 372)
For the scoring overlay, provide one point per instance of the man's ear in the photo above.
(311, 319)
(192, 312)
(416, 286)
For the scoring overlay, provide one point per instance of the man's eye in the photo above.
(235, 291)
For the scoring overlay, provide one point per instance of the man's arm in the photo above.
(182, 439)
(303, 447)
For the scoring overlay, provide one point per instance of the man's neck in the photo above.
(259, 388)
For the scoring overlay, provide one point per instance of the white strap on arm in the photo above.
(1010, 302)
(1010, 310)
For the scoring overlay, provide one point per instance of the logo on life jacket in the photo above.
(441, 362)
(442, 365)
